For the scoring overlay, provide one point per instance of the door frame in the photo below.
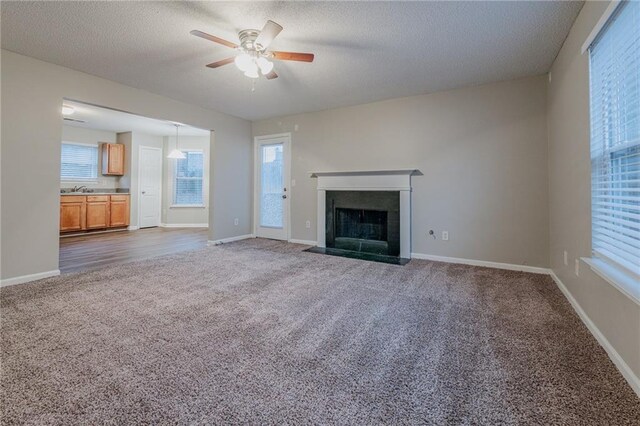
(287, 181)
(138, 189)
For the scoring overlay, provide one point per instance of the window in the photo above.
(79, 162)
(615, 139)
(188, 180)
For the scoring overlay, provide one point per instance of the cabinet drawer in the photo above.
(72, 199)
(119, 197)
(97, 198)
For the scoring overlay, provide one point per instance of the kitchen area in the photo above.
(86, 209)
(131, 187)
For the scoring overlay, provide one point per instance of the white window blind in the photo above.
(188, 179)
(79, 162)
(615, 138)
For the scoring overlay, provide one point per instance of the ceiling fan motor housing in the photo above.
(248, 40)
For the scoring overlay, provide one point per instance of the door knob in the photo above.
(144, 192)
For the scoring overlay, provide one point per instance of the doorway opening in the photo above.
(116, 180)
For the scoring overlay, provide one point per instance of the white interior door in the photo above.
(272, 191)
(150, 179)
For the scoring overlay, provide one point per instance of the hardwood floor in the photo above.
(93, 251)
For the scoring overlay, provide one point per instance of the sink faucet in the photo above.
(79, 188)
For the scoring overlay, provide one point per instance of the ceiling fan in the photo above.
(253, 57)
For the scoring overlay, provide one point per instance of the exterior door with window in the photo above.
(272, 191)
(150, 166)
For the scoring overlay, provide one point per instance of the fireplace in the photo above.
(363, 221)
(365, 214)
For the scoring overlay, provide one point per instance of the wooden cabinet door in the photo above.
(119, 210)
(72, 213)
(97, 212)
(113, 159)
(116, 159)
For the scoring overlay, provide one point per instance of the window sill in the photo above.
(187, 206)
(623, 281)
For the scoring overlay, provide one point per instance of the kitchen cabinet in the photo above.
(119, 210)
(72, 213)
(98, 212)
(113, 159)
(90, 212)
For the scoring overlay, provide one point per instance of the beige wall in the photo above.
(32, 95)
(483, 152)
(177, 215)
(90, 136)
(615, 315)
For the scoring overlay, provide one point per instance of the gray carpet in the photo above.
(260, 332)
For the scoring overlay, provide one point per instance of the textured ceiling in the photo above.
(364, 51)
(117, 121)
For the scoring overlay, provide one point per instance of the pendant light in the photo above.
(176, 153)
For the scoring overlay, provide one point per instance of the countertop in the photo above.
(94, 193)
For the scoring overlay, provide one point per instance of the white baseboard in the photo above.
(184, 225)
(28, 278)
(132, 228)
(622, 366)
(230, 239)
(305, 242)
(508, 266)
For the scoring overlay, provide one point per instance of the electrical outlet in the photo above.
(308, 224)
(566, 258)
(445, 235)
(235, 221)
(577, 268)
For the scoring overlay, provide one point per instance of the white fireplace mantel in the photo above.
(410, 172)
(373, 180)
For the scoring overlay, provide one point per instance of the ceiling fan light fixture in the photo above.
(265, 66)
(243, 61)
(252, 71)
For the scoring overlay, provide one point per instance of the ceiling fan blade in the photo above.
(292, 56)
(271, 75)
(220, 63)
(214, 39)
(268, 33)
